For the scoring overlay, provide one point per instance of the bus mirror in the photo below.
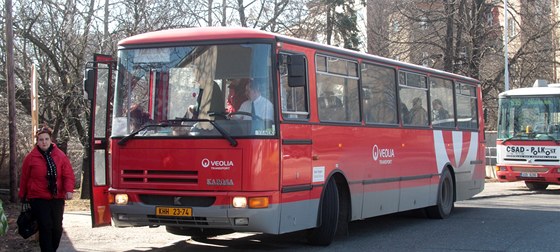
(89, 84)
(296, 71)
(485, 114)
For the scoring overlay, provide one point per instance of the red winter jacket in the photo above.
(33, 183)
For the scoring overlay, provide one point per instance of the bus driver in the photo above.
(257, 105)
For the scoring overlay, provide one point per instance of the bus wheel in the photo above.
(536, 186)
(445, 202)
(324, 234)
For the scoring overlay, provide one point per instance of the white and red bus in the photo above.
(528, 147)
(335, 136)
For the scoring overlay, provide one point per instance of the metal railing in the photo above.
(491, 156)
(490, 162)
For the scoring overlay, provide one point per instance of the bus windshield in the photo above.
(208, 90)
(529, 118)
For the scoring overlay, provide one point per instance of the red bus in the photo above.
(527, 146)
(217, 130)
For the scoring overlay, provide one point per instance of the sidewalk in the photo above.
(493, 188)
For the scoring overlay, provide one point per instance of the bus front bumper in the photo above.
(508, 173)
(214, 217)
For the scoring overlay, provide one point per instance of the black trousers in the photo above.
(49, 218)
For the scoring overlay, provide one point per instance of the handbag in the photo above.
(26, 222)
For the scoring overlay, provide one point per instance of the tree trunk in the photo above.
(450, 24)
(11, 101)
(210, 12)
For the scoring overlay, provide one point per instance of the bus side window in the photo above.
(293, 95)
(442, 100)
(467, 115)
(337, 80)
(413, 94)
(379, 94)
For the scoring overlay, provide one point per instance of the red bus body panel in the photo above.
(196, 165)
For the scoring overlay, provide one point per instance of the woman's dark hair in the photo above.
(44, 129)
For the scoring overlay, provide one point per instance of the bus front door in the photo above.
(98, 84)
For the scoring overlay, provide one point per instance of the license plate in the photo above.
(174, 211)
(529, 174)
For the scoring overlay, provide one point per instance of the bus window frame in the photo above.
(472, 97)
(454, 102)
(326, 72)
(285, 113)
(396, 93)
(425, 89)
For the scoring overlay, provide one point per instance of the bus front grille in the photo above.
(159, 176)
(529, 169)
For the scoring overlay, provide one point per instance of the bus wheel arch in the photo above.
(345, 204)
(446, 195)
(333, 213)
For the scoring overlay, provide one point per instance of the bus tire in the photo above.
(536, 186)
(329, 210)
(445, 197)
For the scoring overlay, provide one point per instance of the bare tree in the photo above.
(465, 37)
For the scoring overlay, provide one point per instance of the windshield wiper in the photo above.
(507, 139)
(219, 128)
(224, 133)
(177, 122)
(134, 133)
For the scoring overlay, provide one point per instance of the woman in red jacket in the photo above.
(47, 179)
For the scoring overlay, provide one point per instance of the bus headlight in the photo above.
(239, 202)
(252, 202)
(501, 168)
(121, 199)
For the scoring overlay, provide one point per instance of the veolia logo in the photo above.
(385, 154)
(375, 152)
(217, 164)
(205, 163)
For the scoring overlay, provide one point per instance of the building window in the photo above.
(423, 23)
(512, 31)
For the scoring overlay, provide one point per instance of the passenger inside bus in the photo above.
(137, 117)
(330, 107)
(417, 114)
(439, 113)
(236, 94)
(405, 114)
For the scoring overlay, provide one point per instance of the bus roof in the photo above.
(221, 33)
(195, 34)
(551, 90)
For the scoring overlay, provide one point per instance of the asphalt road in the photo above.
(504, 217)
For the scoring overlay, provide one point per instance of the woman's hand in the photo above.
(69, 195)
